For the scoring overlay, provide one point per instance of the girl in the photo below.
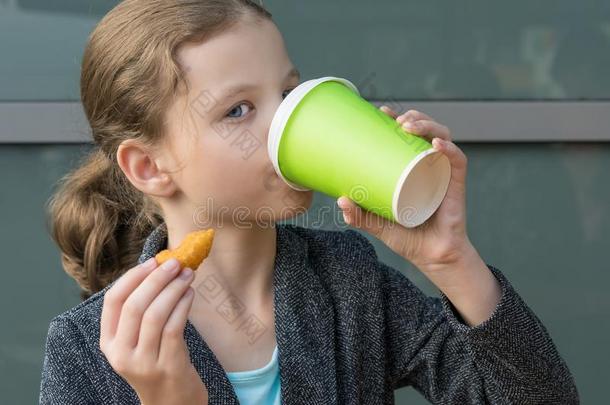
(180, 95)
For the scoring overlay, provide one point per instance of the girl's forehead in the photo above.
(244, 46)
(247, 53)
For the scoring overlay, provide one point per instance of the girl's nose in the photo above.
(270, 113)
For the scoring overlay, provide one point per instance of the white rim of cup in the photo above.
(280, 119)
(438, 198)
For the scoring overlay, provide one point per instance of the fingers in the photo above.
(140, 299)
(418, 123)
(118, 293)
(172, 340)
(411, 115)
(388, 111)
(428, 129)
(366, 220)
(414, 115)
(156, 316)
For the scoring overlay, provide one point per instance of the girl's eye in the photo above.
(235, 111)
(287, 91)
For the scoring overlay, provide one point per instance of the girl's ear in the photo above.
(142, 170)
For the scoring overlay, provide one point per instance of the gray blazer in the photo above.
(349, 329)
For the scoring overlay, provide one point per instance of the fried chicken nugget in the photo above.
(192, 251)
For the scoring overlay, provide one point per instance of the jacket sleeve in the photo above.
(508, 359)
(66, 366)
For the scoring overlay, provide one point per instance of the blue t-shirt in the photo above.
(260, 386)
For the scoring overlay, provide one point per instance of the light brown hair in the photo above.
(129, 77)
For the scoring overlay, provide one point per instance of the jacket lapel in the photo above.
(304, 327)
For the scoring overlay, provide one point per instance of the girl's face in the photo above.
(217, 140)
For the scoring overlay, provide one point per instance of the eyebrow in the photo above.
(231, 91)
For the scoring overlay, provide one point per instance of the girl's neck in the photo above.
(242, 258)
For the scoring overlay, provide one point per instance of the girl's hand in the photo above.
(439, 247)
(141, 333)
(442, 239)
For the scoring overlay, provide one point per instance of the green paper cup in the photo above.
(326, 137)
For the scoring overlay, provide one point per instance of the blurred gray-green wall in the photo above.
(539, 211)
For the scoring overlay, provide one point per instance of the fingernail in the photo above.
(186, 274)
(171, 264)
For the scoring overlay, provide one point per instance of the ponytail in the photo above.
(100, 222)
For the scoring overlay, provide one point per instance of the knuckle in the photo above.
(172, 332)
(118, 362)
(120, 366)
(133, 307)
(153, 316)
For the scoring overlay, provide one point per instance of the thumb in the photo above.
(457, 159)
